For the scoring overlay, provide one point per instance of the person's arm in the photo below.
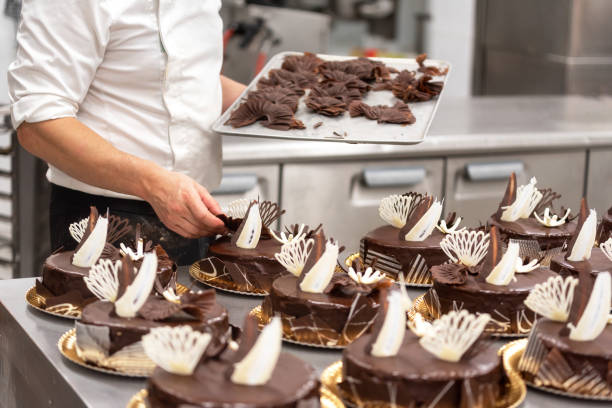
(231, 91)
(182, 205)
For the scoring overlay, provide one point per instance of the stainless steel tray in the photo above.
(344, 128)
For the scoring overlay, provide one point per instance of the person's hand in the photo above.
(183, 205)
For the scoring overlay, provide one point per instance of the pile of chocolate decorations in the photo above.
(335, 87)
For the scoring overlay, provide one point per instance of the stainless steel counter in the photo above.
(34, 374)
(464, 126)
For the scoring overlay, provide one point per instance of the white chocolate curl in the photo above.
(251, 231)
(287, 238)
(134, 255)
(92, 248)
(503, 273)
(394, 209)
(595, 316)
(466, 247)
(445, 229)
(425, 226)
(453, 334)
(553, 221)
(257, 366)
(103, 280)
(368, 277)
(391, 335)
(294, 254)
(136, 294)
(553, 298)
(319, 276)
(527, 199)
(175, 349)
(581, 251)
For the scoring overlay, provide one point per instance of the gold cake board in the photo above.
(221, 284)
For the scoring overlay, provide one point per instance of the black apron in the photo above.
(67, 206)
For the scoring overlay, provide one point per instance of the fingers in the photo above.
(208, 200)
(201, 214)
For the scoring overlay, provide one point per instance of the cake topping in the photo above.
(582, 241)
(92, 240)
(253, 226)
(395, 209)
(134, 255)
(553, 298)
(453, 334)
(391, 334)
(450, 224)
(595, 316)
(317, 277)
(103, 280)
(399, 113)
(422, 220)
(503, 273)
(429, 70)
(249, 231)
(367, 277)
(606, 248)
(294, 254)
(175, 349)
(466, 247)
(527, 198)
(306, 62)
(238, 208)
(136, 294)
(261, 356)
(551, 221)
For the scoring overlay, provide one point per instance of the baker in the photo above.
(118, 97)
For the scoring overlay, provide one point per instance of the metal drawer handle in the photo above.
(236, 184)
(493, 171)
(393, 177)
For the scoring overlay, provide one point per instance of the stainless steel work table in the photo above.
(34, 374)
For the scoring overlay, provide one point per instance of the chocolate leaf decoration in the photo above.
(126, 275)
(509, 195)
(232, 224)
(494, 253)
(118, 228)
(163, 260)
(156, 308)
(269, 212)
(248, 112)
(198, 304)
(548, 196)
(582, 216)
(449, 274)
(307, 62)
(431, 70)
(582, 293)
(250, 333)
(399, 113)
(450, 219)
(345, 80)
(379, 321)
(317, 251)
(293, 229)
(326, 105)
(91, 223)
(279, 95)
(432, 88)
(416, 214)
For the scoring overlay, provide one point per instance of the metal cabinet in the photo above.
(599, 186)
(476, 184)
(345, 196)
(248, 182)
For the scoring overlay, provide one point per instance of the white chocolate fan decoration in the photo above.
(319, 276)
(453, 334)
(553, 221)
(394, 209)
(103, 280)
(553, 298)
(251, 230)
(367, 277)
(138, 291)
(175, 349)
(77, 229)
(391, 335)
(294, 254)
(288, 237)
(581, 251)
(503, 273)
(257, 366)
(91, 249)
(595, 316)
(466, 247)
(527, 199)
(445, 229)
(425, 226)
(238, 208)
(606, 248)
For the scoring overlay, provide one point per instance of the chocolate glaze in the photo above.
(597, 353)
(598, 263)
(530, 228)
(258, 264)
(293, 384)
(60, 276)
(476, 295)
(124, 332)
(385, 240)
(329, 311)
(418, 377)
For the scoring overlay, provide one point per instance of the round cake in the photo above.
(416, 378)
(531, 229)
(293, 384)
(598, 263)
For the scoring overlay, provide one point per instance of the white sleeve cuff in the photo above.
(40, 107)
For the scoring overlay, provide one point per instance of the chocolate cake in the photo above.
(339, 309)
(244, 260)
(62, 280)
(470, 284)
(423, 368)
(604, 231)
(110, 330)
(397, 248)
(569, 348)
(519, 216)
(227, 380)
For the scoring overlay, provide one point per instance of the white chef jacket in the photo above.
(143, 74)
